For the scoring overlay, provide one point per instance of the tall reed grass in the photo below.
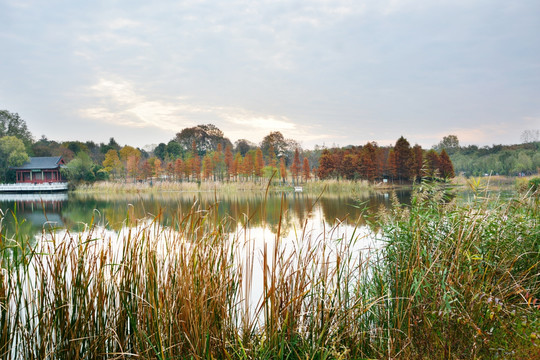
(452, 281)
(170, 186)
(459, 278)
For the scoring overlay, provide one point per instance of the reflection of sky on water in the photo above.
(286, 211)
(314, 234)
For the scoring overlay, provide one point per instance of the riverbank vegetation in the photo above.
(446, 280)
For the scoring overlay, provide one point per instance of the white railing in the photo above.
(33, 187)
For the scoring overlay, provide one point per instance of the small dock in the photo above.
(34, 188)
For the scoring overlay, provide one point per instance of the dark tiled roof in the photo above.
(41, 163)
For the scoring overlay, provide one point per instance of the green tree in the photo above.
(243, 146)
(12, 153)
(449, 143)
(161, 151)
(81, 168)
(276, 142)
(11, 124)
(174, 150)
(206, 137)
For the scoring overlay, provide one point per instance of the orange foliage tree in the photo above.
(305, 169)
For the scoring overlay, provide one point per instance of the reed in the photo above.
(451, 281)
(338, 186)
(173, 186)
(460, 277)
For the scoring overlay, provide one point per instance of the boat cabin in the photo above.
(40, 170)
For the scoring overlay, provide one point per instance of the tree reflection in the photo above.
(274, 211)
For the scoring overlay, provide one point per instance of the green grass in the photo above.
(453, 281)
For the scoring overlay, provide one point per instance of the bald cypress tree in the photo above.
(326, 165)
(446, 167)
(432, 163)
(403, 157)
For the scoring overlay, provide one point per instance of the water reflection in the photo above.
(285, 211)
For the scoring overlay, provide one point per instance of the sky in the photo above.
(322, 72)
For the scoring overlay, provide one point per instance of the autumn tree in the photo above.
(130, 157)
(272, 159)
(178, 168)
(229, 159)
(326, 165)
(432, 163)
(146, 169)
(188, 168)
(305, 169)
(207, 167)
(157, 169)
(446, 167)
(369, 161)
(259, 162)
(237, 165)
(195, 161)
(112, 163)
(296, 166)
(381, 161)
(417, 162)
(248, 164)
(132, 166)
(170, 170)
(218, 162)
(392, 166)
(402, 151)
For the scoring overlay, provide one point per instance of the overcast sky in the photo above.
(320, 71)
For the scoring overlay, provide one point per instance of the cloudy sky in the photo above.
(320, 71)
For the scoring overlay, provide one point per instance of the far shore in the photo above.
(311, 187)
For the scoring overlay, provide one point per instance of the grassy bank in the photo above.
(452, 281)
(315, 187)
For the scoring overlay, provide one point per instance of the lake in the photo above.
(288, 210)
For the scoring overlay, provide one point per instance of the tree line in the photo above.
(374, 163)
(511, 160)
(203, 153)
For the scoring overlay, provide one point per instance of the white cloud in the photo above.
(121, 23)
(117, 101)
(111, 37)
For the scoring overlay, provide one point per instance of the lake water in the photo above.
(289, 211)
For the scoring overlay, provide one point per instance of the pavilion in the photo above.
(40, 170)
